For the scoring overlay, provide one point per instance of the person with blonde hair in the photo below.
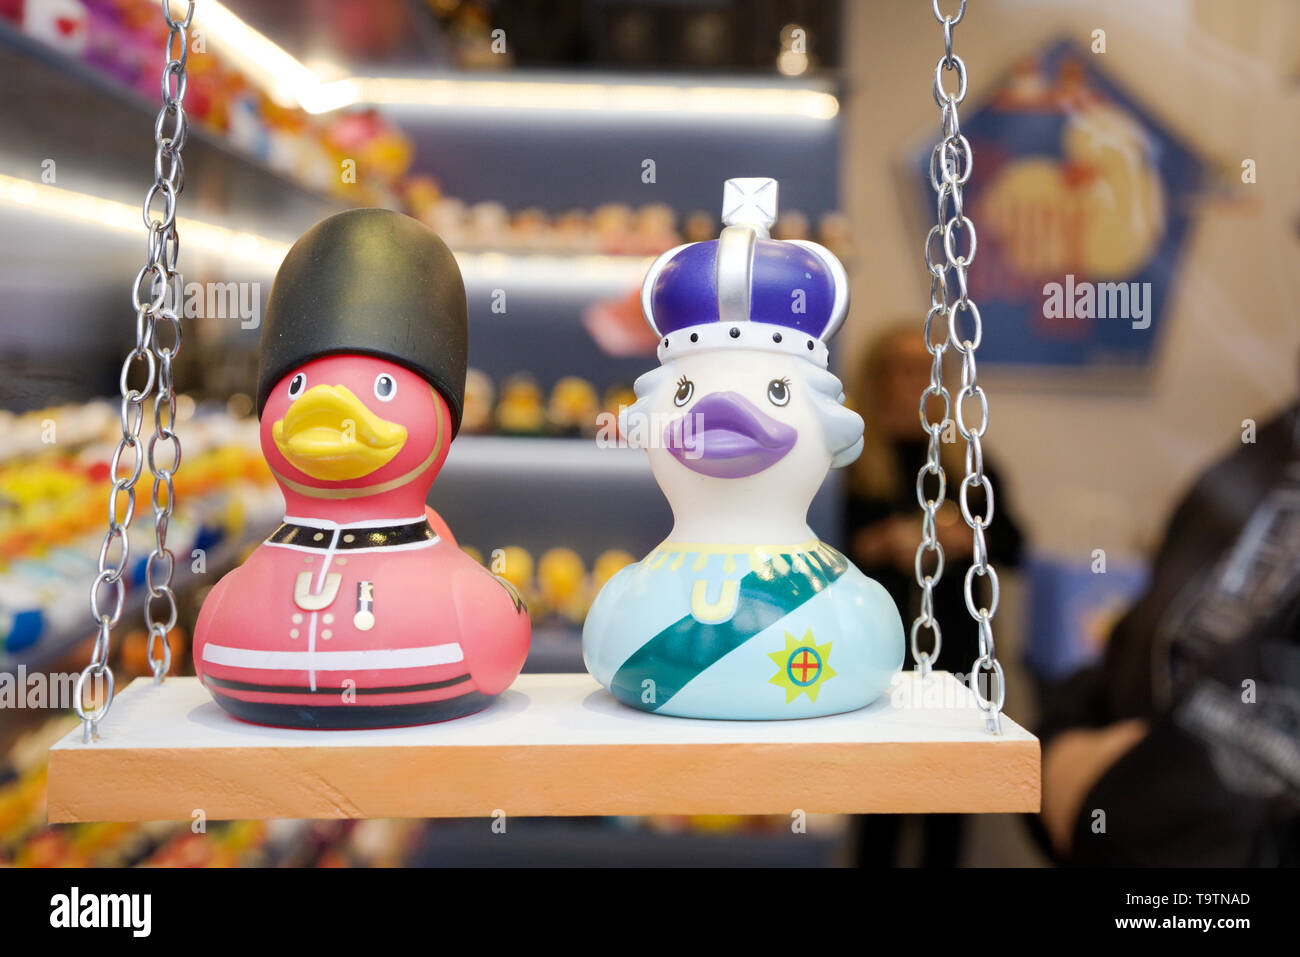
(882, 525)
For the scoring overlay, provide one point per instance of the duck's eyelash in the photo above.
(785, 381)
(682, 381)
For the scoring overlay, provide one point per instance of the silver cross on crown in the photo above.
(750, 201)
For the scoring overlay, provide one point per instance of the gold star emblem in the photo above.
(802, 666)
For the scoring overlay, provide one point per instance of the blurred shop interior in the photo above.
(558, 146)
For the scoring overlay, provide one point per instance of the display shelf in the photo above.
(553, 745)
(97, 107)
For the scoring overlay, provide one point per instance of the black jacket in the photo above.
(1210, 656)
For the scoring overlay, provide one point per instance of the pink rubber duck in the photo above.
(360, 611)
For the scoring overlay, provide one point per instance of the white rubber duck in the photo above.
(742, 612)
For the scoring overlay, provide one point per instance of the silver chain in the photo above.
(950, 169)
(154, 296)
(937, 268)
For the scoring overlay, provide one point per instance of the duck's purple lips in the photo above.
(724, 435)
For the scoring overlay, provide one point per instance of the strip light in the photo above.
(286, 80)
(290, 82)
(46, 200)
(604, 274)
(559, 95)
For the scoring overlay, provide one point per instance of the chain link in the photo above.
(153, 295)
(950, 248)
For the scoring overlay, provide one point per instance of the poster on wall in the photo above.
(1082, 204)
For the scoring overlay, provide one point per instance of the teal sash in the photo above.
(688, 646)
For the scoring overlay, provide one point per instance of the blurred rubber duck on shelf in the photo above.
(572, 232)
(529, 230)
(612, 223)
(488, 225)
(608, 564)
(562, 585)
(654, 230)
(617, 399)
(62, 24)
(360, 610)
(422, 195)
(520, 409)
(450, 220)
(792, 225)
(700, 227)
(837, 237)
(479, 396)
(742, 612)
(573, 407)
(380, 152)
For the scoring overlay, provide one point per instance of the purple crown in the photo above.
(744, 290)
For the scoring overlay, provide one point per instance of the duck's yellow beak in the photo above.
(330, 434)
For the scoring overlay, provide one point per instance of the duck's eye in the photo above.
(778, 391)
(296, 385)
(385, 387)
(685, 389)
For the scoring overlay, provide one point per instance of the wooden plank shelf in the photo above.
(553, 745)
